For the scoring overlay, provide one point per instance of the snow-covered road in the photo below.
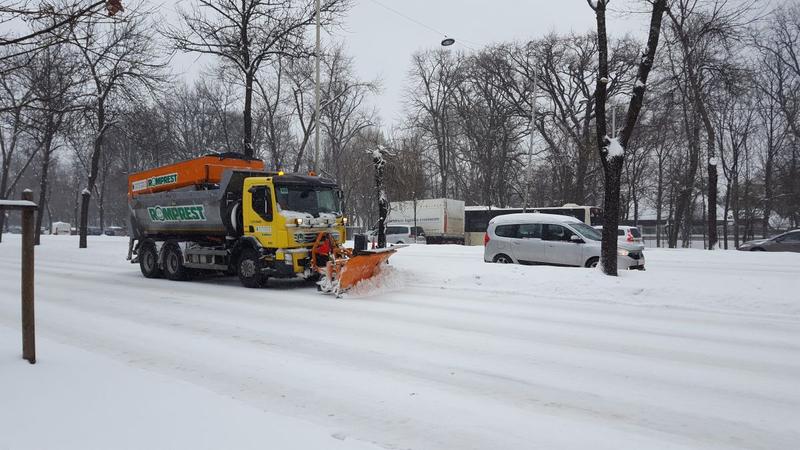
(700, 351)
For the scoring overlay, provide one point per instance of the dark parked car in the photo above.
(786, 242)
(94, 231)
(114, 231)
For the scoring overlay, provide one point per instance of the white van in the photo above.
(61, 228)
(551, 239)
(400, 234)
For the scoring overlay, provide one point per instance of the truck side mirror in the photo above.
(576, 239)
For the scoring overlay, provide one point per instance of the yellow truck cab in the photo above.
(285, 213)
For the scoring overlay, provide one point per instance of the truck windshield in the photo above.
(311, 200)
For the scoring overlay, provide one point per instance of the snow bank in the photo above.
(387, 279)
(729, 281)
(73, 399)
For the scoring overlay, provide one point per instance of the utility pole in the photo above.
(316, 100)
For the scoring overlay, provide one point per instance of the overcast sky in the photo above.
(382, 41)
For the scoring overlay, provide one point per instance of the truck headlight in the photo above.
(344, 220)
(287, 258)
(622, 252)
(298, 222)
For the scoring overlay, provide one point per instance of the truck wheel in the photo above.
(250, 266)
(173, 263)
(148, 261)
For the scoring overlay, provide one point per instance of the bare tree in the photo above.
(704, 31)
(51, 22)
(771, 107)
(435, 76)
(490, 128)
(52, 75)
(248, 34)
(613, 150)
(16, 96)
(343, 117)
(121, 59)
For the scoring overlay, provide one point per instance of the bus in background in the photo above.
(590, 215)
(476, 218)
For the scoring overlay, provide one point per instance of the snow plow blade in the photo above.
(343, 267)
(362, 267)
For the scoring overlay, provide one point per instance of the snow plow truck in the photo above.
(226, 213)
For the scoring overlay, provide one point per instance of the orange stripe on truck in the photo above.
(193, 172)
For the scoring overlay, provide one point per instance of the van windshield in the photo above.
(587, 231)
(312, 200)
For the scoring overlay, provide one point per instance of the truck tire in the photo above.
(249, 269)
(148, 260)
(173, 263)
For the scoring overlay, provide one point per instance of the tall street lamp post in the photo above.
(316, 99)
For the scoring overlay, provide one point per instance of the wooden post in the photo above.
(28, 237)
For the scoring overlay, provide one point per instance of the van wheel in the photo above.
(148, 261)
(593, 262)
(502, 259)
(173, 263)
(250, 266)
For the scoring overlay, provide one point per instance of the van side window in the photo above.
(506, 231)
(556, 233)
(620, 232)
(530, 231)
(261, 202)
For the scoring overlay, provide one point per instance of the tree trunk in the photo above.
(767, 193)
(659, 201)
(47, 147)
(712, 206)
(84, 219)
(95, 165)
(611, 166)
(3, 188)
(611, 203)
(2, 222)
(686, 187)
(736, 209)
(613, 163)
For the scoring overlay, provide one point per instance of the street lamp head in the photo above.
(447, 42)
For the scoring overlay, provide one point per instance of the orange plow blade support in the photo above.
(362, 267)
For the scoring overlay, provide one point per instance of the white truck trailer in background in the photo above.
(442, 219)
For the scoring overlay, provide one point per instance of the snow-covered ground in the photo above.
(442, 352)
